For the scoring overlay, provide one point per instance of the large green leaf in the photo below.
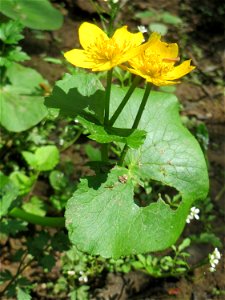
(20, 112)
(102, 216)
(107, 221)
(39, 14)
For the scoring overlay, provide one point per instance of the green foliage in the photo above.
(10, 35)
(118, 212)
(169, 155)
(20, 112)
(8, 193)
(163, 16)
(173, 265)
(62, 185)
(39, 14)
(22, 295)
(35, 206)
(12, 227)
(133, 138)
(159, 20)
(20, 94)
(24, 79)
(114, 215)
(13, 55)
(158, 27)
(45, 158)
(77, 94)
(5, 276)
(92, 153)
(57, 180)
(10, 32)
(22, 181)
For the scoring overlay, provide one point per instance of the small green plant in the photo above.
(173, 265)
(151, 144)
(21, 97)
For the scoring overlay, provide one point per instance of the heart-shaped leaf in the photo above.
(102, 216)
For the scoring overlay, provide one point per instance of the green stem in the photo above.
(104, 148)
(107, 96)
(38, 220)
(137, 120)
(116, 114)
(142, 106)
(73, 141)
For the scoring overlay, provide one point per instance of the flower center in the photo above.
(155, 66)
(105, 50)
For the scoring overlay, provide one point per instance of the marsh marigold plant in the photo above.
(106, 215)
(101, 53)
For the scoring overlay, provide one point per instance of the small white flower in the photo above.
(214, 260)
(194, 214)
(71, 272)
(115, 1)
(142, 29)
(61, 142)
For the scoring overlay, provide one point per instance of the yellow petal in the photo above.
(103, 67)
(180, 70)
(89, 33)
(129, 55)
(161, 82)
(154, 37)
(168, 50)
(158, 81)
(134, 71)
(124, 38)
(79, 58)
(154, 45)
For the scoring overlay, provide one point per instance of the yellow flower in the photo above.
(101, 53)
(156, 60)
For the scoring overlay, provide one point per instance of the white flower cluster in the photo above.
(194, 214)
(214, 259)
(83, 277)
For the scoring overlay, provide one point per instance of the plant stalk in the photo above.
(104, 148)
(55, 222)
(137, 120)
(107, 96)
(116, 114)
